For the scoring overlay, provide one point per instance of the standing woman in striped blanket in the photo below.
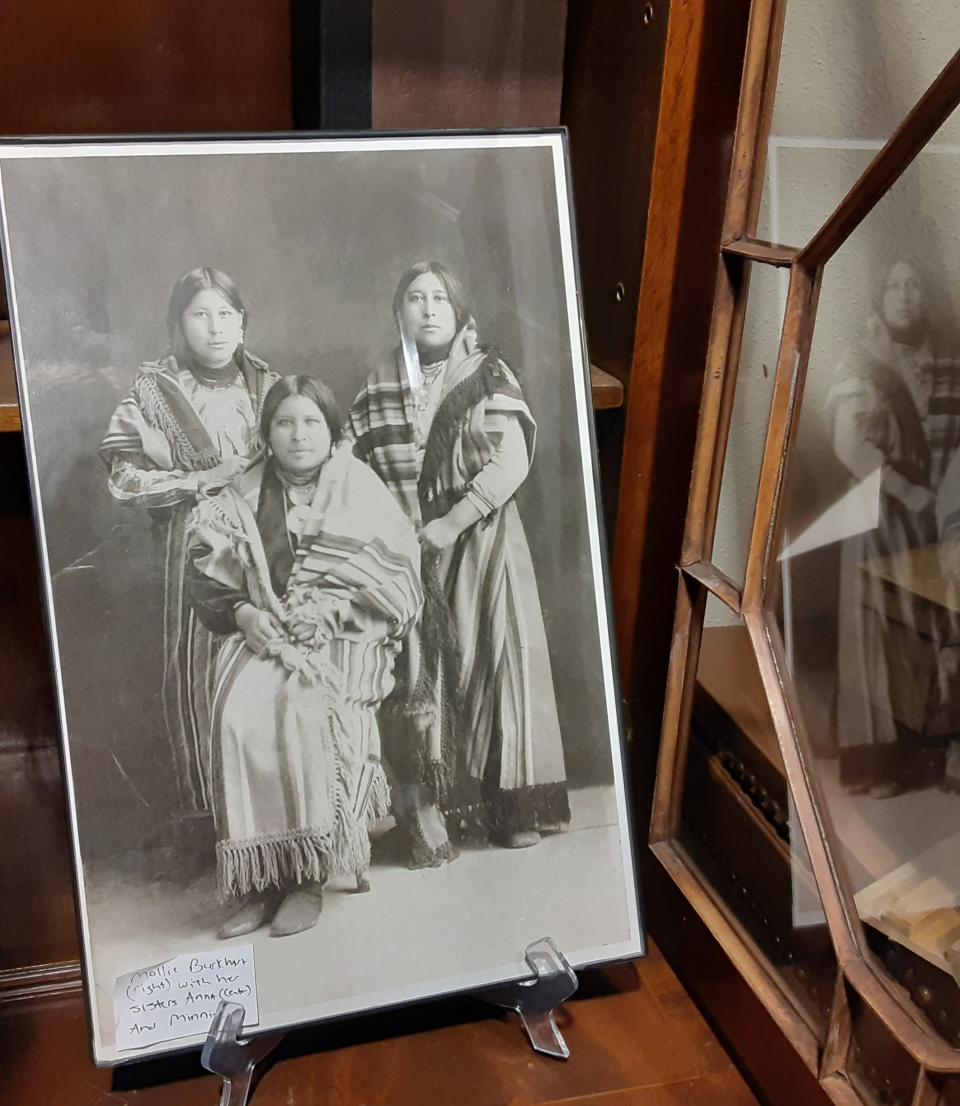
(895, 408)
(312, 571)
(473, 728)
(188, 424)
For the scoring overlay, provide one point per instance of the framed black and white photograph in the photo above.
(310, 438)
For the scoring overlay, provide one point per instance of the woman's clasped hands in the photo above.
(258, 627)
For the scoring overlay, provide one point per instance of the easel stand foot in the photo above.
(234, 1060)
(536, 1000)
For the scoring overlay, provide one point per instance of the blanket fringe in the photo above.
(157, 411)
(303, 855)
(379, 802)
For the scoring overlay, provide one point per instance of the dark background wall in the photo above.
(316, 244)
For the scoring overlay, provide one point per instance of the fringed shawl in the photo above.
(356, 546)
(356, 579)
(381, 424)
(926, 440)
(382, 420)
(157, 419)
(459, 445)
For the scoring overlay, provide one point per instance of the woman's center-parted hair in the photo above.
(454, 286)
(310, 388)
(187, 286)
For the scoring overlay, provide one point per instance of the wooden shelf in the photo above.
(729, 674)
(9, 407)
(635, 1036)
(607, 390)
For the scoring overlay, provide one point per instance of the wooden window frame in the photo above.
(859, 969)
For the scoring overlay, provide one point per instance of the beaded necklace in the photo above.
(298, 493)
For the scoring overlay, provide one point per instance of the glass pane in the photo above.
(869, 573)
(877, 1066)
(849, 73)
(748, 422)
(735, 820)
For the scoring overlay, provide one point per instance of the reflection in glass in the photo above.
(748, 422)
(870, 571)
(872, 63)
(894, 431)
(877, 1066)
(735, 819)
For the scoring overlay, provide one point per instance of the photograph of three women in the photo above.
(311, 444)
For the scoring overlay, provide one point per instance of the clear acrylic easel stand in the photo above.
(232, 1059)
(536, 1000)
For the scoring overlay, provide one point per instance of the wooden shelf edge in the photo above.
(40, 981)
(607, 390)
(9, 408)
(766, 253)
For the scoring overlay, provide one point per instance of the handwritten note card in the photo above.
(179, 997)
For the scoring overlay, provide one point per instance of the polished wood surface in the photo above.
(612, 73)
(767, 253)
(611, 95)
(607, 390)
(636, 1040)
(38, 925)
(37, 917)
(9, 407)
(156, 66)
(698, 111)
(445, 64)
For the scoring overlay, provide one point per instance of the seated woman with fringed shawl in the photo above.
(311, 569)
(473, 726)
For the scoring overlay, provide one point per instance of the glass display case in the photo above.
(806, 796)
(595, 68)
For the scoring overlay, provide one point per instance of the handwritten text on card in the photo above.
(179, 997)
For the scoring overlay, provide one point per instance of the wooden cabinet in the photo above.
(804, 802)
(635, 1034)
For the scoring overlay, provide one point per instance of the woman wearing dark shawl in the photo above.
(188, 424)
(309, 567)
(473, 726)
(896, 408)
